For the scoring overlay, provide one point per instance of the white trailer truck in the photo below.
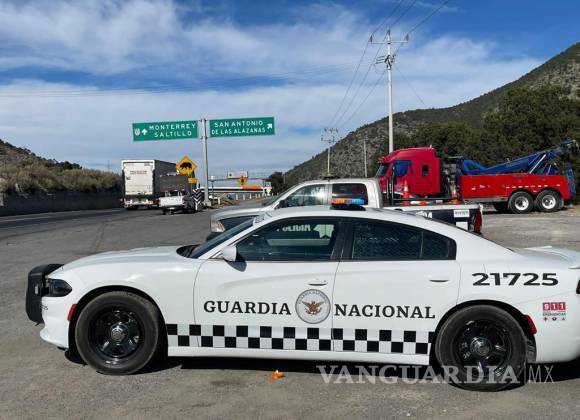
(141, 185)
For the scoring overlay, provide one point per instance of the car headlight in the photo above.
(58, 288)
(217, 226)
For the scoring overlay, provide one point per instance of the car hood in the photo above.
(238, 211)
(137, 255)
(568, 257)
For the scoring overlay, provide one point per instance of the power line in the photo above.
(411, 86)
(365, 99)
(429, 16)
(377, 52)
(356, 92)
(403, 14)
(425, 19)
(350, 84)
(383, 22)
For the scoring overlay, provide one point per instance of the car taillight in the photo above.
(184, 200)
(478, 222)
(533, 328)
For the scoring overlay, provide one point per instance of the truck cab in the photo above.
(419, 166)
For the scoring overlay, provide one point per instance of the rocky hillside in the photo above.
(562, 70)
(21, 171)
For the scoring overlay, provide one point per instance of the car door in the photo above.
(277, 296)
(393, 285)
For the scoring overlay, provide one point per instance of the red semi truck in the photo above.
(518, 185)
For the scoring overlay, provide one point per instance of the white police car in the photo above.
(320, 283)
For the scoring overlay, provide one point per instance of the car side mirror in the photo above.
(282, 204)
(230, 253)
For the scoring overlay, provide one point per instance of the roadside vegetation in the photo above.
(22, 172)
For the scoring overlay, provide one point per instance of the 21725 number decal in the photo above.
(511, 279)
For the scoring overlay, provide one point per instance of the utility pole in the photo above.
(206, 200)
(389, 60)
(330, 136)
(365, 154)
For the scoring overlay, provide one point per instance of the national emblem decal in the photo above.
(312, 306)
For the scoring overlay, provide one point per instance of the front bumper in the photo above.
(36, 289)
(50, 311)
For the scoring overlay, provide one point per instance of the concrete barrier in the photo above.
(14, 204)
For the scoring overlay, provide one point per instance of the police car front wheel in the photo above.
(118, 333)
(482, 348)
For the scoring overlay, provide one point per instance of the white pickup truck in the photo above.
(177, 201)
(320, 192)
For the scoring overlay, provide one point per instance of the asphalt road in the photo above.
(38, 380)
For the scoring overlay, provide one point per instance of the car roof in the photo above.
(321, 211)
(337, 181)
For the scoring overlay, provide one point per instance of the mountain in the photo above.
(22, 171)
(562, 70)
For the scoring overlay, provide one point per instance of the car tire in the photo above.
(118, 333)
(164, 212)
(521, 202)
(481, 337)
(549, 201)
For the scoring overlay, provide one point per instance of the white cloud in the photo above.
(111, 37)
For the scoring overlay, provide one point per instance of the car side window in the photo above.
(385, 241)
(393, 241)
(437, 247)
(351, 190)
(310, 195)
(293, 240)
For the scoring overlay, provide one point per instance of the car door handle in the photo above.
(438, 280)
(318, 282)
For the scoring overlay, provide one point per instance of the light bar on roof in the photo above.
(347, 202)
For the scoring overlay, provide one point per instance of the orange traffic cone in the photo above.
(277, 375)
(454, 199)
(406, 195)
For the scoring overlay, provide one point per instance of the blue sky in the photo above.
(75, 74)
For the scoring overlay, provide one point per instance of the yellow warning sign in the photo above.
(185, 166)
(242, 180)
(192, 180)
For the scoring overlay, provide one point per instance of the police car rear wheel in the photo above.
(485, 345)
(118, 333)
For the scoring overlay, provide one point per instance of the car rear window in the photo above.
(351, 190)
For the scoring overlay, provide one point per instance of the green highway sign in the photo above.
(169, 130)
(236, 127)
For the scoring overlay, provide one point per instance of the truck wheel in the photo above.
(521, 202)
(118, 333)
(548, 201)
(164, 212)
(482, 348)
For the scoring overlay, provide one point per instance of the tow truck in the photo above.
(518, 185)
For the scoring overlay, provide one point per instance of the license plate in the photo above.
(460, 213)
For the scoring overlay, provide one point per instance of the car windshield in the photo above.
(203, 248)
(270, 200)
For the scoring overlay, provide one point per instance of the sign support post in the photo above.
(207, 201)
